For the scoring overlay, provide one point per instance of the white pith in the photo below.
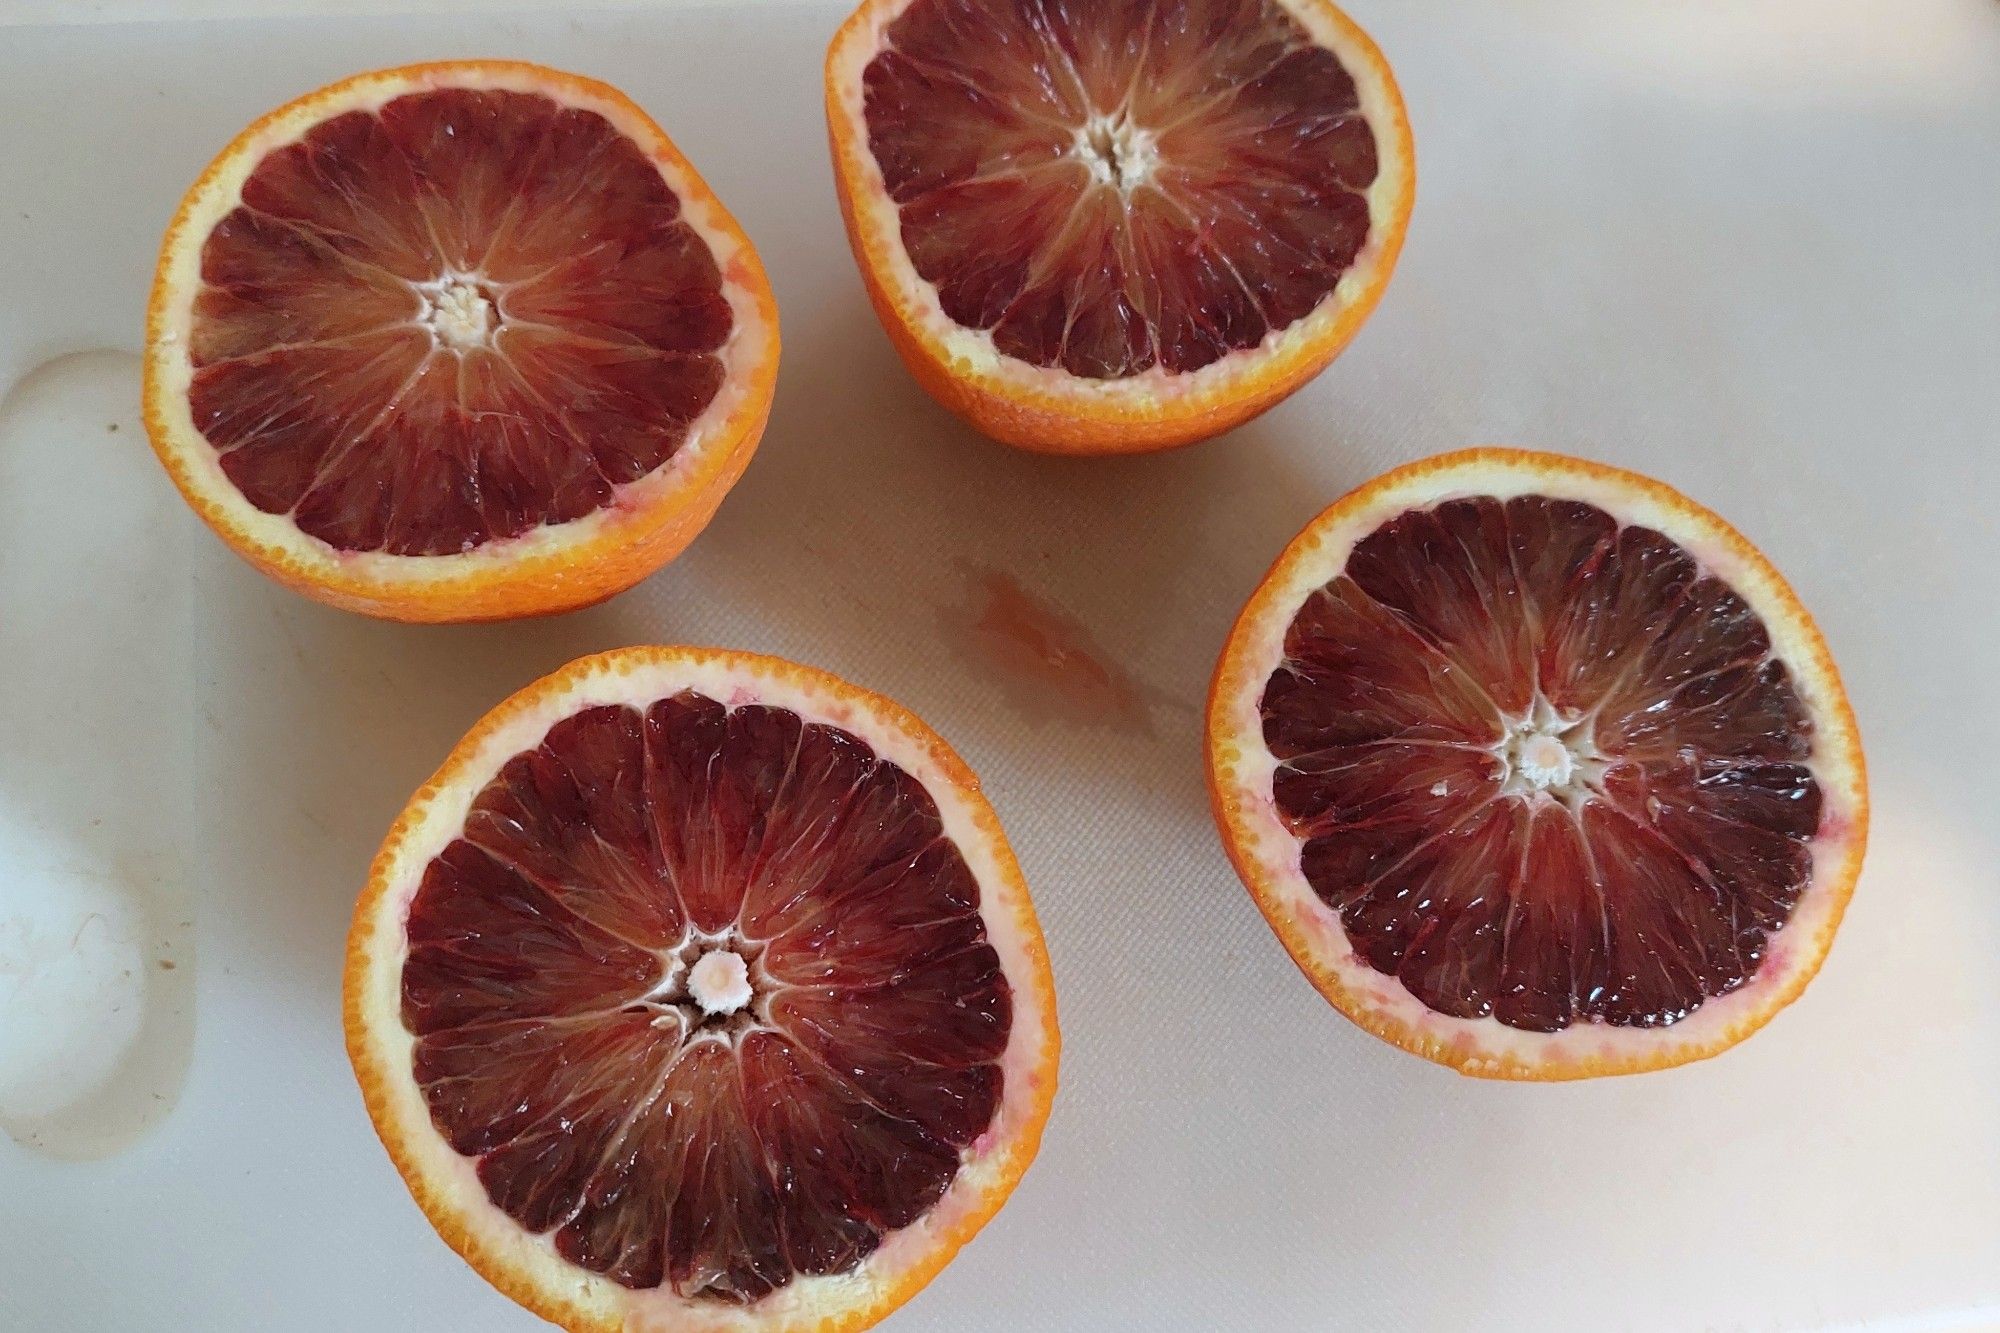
(438, 815)
(706, 976)
(1314, 933)
(719, 981)
(1545, 753)
(455, 311)
(1118, 151)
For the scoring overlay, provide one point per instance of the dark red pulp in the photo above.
(1113, 185)
(320, 373)
(1626, 896)
(555, 1045)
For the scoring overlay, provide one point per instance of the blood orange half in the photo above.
(1538, 768)
(1098, 226)
(699, 990)
(458, 341)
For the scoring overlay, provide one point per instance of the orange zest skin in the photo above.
(416, 1148)
(1060, 413)
(1236, 808)
(645, 525)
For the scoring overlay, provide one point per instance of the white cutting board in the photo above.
(1750, 248)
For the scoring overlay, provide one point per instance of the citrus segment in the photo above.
(705, 993)
(1551, 749)
(476, 324)
(1115, 225)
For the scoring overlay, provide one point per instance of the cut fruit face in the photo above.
(1103, 227)
(1537, 768)
(457, 341)
(701, 990)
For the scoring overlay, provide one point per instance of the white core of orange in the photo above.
(720, 982)
(456, 312)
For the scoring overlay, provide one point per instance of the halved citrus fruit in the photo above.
(699, 990)
(1538, 768)
(1103, 226)
(458, 341)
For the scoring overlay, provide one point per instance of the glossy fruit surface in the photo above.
(1539, 769)
(457, 341)
(1102, 226)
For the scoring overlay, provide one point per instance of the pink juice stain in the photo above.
(1048, 660)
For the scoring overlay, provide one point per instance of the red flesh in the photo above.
(988, 119)
(330, 400)
(1656, 893)
(719, 1155)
